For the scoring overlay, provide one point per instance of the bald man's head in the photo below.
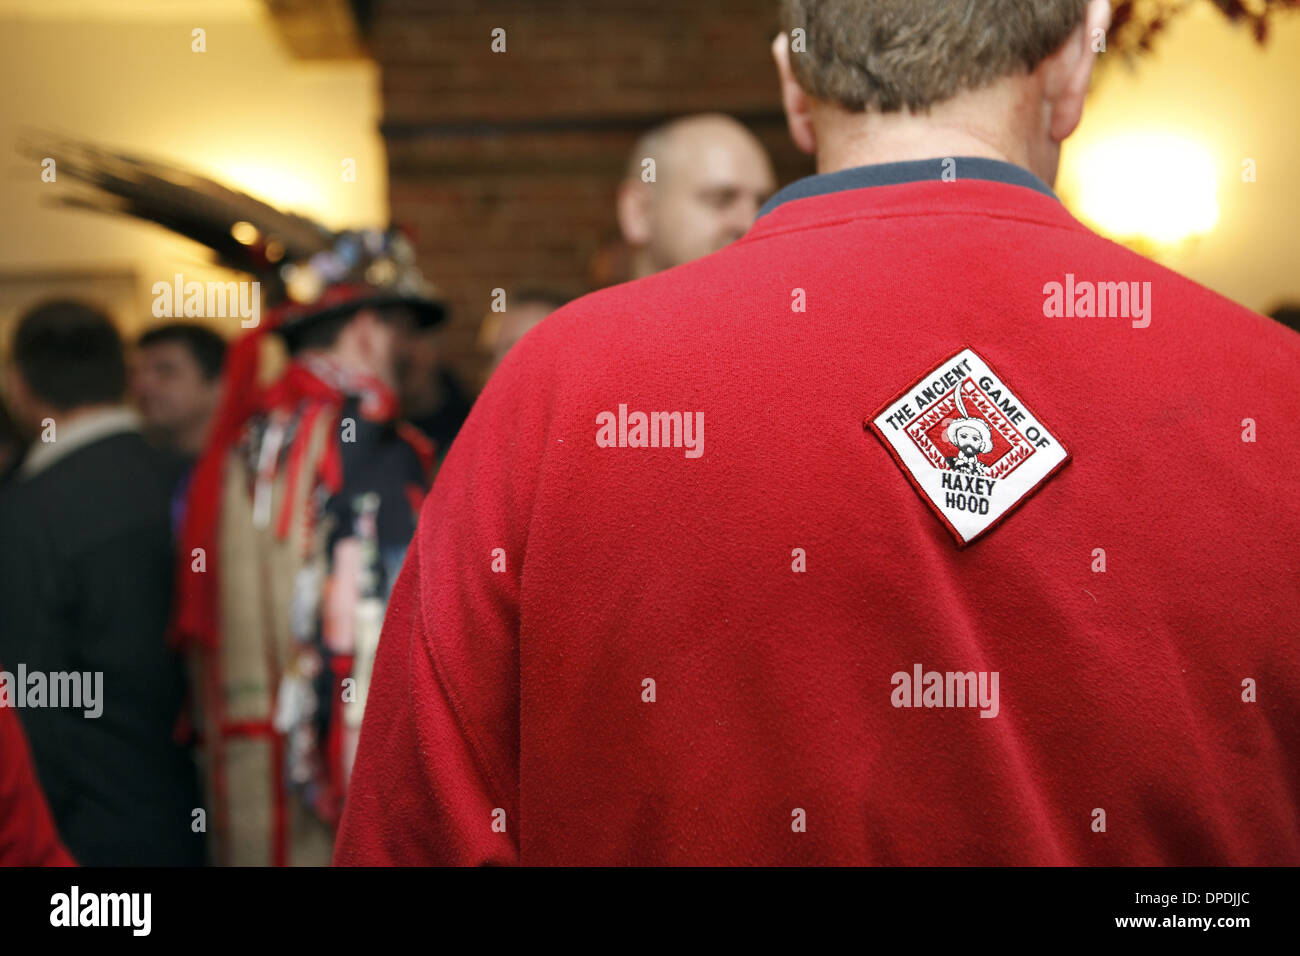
(693, 185)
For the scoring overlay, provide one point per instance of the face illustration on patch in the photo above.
(971, 436)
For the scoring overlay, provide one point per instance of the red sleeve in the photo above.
(436, 777)
(27, 834)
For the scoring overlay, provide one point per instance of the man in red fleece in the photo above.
(27, 835)
(987, 554)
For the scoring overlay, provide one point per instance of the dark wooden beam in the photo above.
(317, 29)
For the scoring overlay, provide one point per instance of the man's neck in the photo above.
(988, 123)
(74, 428)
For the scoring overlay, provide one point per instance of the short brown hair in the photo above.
(70, 355)
(889, 55)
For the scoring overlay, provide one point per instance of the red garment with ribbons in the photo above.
(195, 617)
(309, 389)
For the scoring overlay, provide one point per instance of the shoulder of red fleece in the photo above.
(1225, 323)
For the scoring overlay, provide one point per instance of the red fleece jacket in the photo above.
(1149, 713)
(27, 834)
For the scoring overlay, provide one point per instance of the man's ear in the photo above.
(633, 205)
(1070, 70)
(798, 112)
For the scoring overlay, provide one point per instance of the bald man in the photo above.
(708, 179)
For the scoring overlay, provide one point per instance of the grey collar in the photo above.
(911, 171)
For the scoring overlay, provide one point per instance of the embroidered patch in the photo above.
(969, 445)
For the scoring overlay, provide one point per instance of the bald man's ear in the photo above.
(798, 112)
(633, 205)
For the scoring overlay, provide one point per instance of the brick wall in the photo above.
(505, 164)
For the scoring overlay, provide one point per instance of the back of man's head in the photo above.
(888, 55)
(69, 356)
(876, 81)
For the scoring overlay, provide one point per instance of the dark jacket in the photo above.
(85, 586)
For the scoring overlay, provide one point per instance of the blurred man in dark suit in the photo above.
(85, 590)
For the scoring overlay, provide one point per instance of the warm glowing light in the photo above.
(245, 233)
(279, 187)
(303, 285)
(1143, 186)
